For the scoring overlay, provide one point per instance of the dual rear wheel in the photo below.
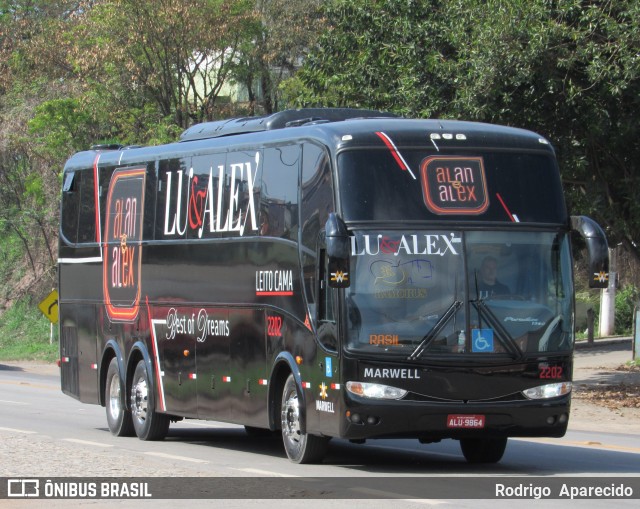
(142, 420)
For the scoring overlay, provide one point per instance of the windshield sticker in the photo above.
(388, 273)
(395, 153)
(383, 339)
(482, 340)
(402, 278)
(454, 185)
(438, 245)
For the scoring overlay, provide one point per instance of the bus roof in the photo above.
(336, 127)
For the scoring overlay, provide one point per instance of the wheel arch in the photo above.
(111, 349)
(283, 366)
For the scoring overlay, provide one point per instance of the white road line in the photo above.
(173, 457)
(86, 442)
(266, 473)
(13, 402)
(14, 430)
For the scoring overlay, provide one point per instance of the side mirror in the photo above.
(337, 241)
(598, 250)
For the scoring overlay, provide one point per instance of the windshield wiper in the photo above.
(505, 339)
(422, 346)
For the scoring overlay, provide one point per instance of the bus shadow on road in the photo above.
(6, 367)
(409, 457)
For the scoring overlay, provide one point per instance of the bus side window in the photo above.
(279, 194)
(70, 206)
(173, 186)
(327, 327)
(326, 300)
(316, 202)
(87, 216)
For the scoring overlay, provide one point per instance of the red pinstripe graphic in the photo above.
(156, 359)
(394, 152)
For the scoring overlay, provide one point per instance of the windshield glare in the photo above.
(443, 292)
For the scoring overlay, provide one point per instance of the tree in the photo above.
(28, 183)
(181, 52)
(175, 54)
(568, 69)
(388, 54)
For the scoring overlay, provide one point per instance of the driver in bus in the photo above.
(488, 284)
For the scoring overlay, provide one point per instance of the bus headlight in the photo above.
(375, 391)
(548, 391)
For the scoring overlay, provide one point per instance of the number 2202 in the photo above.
(274, 326)
(553, 372)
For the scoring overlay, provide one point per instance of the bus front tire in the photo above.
(483, 450)
(118, 417)
(148, 424)
(300, 447)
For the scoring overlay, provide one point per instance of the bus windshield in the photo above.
(453, 292)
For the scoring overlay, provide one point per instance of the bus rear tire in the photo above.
(148, 424)
(483, 450)
(118, 417)
(300, 447)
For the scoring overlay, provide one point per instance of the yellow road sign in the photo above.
(49, 306)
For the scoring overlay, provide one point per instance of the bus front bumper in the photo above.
(430, 421)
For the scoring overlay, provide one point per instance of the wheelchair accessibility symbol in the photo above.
(482, 340)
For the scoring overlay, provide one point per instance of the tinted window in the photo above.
(171, 217)
(87, 219)
(316, 203)
(518, 187)
(279, 197)
(70, 206)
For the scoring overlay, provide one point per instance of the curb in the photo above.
(602, 342)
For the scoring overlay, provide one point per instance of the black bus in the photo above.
(325, 273)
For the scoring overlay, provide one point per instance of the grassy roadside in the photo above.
(24, 335)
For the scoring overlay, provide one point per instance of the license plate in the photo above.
(465, 421)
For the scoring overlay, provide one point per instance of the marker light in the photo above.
(375, 391)
(548, 391)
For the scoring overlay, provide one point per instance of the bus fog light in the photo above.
(375, 391)
(548, 391)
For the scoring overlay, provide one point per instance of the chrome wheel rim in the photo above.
(291, 419)
(140, 399)
(115, 408)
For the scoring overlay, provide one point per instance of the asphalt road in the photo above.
(44, 433)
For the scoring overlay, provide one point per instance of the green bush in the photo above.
(24, 334)
(626, 299)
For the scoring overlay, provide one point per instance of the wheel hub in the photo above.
(291, 418)
(139, 399)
